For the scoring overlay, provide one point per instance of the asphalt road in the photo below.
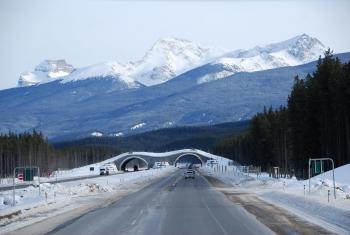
(172, 205)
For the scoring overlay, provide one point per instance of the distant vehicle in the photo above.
(182, 165)
(196, 166)
(212, 162)
(189, 174)
(104, 171)
(107, 169)
(160, 164)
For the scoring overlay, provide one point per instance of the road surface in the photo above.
(172, 205)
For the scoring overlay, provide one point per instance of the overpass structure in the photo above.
(148, 158)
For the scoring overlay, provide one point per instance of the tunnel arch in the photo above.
(128, 159)
(192, 154)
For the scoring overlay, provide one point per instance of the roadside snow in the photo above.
(60, 197)
(342, 175)
(293, 194)
(94, 169)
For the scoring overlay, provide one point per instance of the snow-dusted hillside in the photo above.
(170, 57)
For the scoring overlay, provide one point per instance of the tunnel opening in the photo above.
(134, 164)
(188, 160)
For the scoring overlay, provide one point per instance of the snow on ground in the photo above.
(117, 134)
(85, 170)
(56, 198)
(137, 126)
(293, 194)
(342, 175)
(60, 197)
(96, 134)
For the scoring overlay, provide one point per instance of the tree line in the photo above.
(33, 149)
(315, 123)
(167, 139)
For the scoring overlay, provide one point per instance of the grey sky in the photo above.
(92, 31)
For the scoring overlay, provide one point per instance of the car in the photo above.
(104, 170)
(189, 174)
(212, 162)
(157, 165)
(107, 169)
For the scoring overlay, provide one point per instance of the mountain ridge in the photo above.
(77, 109)
(170, 57)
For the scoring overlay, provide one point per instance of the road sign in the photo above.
(27, 174)
(320, 160)
(318, 167)
(20, 176)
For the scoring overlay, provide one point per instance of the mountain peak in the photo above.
(303, 39)
(306, 48)
(169, 40)
(174, 46)
(294, 51)
(111, 69)
(54, 66)
(169, 57)
(46, 71)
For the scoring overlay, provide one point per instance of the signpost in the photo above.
(25, 173)
(276, 171)
(318, 163)
(20, 176)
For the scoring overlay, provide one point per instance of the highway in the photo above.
(171, 205)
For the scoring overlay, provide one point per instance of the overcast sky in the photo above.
(91, 31)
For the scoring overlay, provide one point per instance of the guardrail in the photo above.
(53, 181)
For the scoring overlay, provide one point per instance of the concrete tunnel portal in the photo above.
(135, 162)
(189, 158)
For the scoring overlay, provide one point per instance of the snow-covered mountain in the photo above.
(295, 51)
(167, 58)
(64, 110)
(46, 71)
(111, 70)
(51, 70)
(170, 57)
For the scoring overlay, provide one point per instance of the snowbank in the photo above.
(317, 206)
(57, 198)
(342, 175)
